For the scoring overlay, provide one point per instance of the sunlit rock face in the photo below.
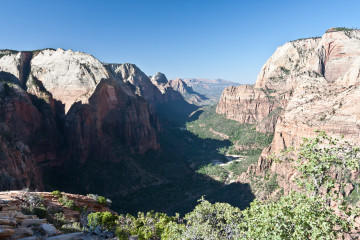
(306, 85)
(315, 84)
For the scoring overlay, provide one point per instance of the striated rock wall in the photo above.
(247, 104)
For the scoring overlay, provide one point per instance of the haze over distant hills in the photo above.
(211, 88)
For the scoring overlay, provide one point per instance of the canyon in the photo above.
(73, 123)
(60, 108)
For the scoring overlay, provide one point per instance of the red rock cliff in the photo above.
(62, 106)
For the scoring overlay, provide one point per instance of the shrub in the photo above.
(58, 220)
(40, 212)
(101, 221)
(212, 221)
(146, 226)
(34, 199)
(100, 199)
(56, 193)
(295, 216)
(68, 203)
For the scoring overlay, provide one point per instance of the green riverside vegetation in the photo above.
(245, 142)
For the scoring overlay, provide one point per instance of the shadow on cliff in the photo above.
(8, 77)
(175, 112)
(159, 180)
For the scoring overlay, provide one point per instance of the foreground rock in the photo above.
(16, 225)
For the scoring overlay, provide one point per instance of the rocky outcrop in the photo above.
(248, 105)
(15, 223)
(141, 83)
(187, 92)
(164, 85)
(66, 107)
(316, 84)
(313, 80)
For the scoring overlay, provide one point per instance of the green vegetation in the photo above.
(243, 140)
(286, 71)
(101, 221)
(296, 216)
(100, 199)
(214, 170)
(338, 29)
(34, 205)
(68, 203)
(238, 167)
(146, 226)
(56, 194)
(300, 39)
(320, 159)
(242, 134)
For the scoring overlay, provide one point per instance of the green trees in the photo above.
(102, 221)
(325, 165)
(296, 216)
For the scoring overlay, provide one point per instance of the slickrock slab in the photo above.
(6, 232)
(32, 222)
(13, 214)
(7, 221)
(22, 232)
(70, 236)
(31, 238)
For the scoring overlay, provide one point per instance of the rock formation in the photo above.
(62, 107)
(307, 84)
(187, 92)
(211, 88)
(14, 224)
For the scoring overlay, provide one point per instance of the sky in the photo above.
(228, 39)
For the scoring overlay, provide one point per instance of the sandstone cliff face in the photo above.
(164, 85)
(246, 104)
(141, 83)
(67, 107)
(314, 80)
(316, 83)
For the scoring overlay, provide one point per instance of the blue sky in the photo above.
(229, 39)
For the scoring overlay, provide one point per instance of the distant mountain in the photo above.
(211, 88)
(188, 93)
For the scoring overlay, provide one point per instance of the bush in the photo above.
(68, 203)
(100, 199)
(295, 216)
(146, 226)
(212, 221)
(56, 193)
(40, 212)
(101, 221)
